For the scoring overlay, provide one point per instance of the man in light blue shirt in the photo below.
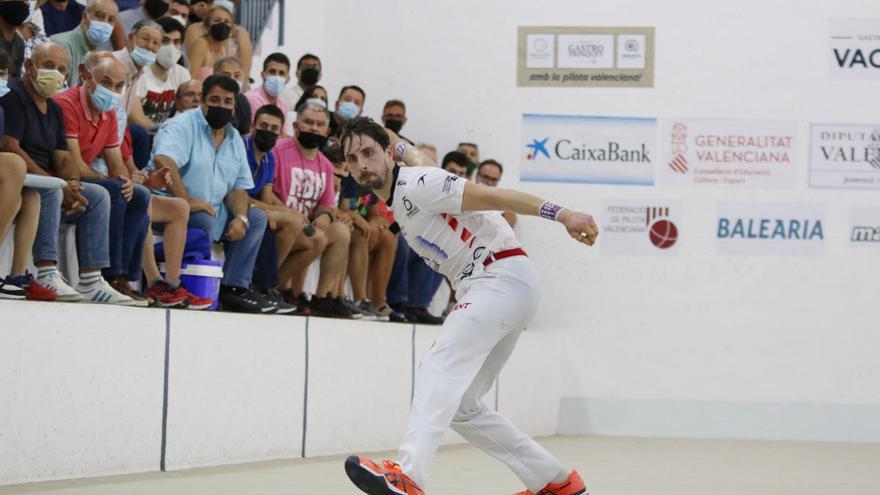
(209, 168)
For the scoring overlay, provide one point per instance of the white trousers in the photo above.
(474, 344)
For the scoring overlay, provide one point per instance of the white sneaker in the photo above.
(101, 293)
(54, 281)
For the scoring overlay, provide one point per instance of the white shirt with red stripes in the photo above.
(426, 202)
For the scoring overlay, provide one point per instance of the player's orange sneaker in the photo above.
(374, 479)
(574, 485)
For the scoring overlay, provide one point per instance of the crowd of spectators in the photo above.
(145, 112)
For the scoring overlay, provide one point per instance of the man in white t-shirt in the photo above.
(156, 89)
(454, 226)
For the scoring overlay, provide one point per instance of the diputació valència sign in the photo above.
(553, 56)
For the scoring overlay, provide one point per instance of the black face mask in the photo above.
(309, 76)
(310, 140)
(220, 31)
(264, 140)
(14, 13)
(218, 117)
(156, 8)
(394, 125)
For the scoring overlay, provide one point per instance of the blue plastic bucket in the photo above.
(202, 278)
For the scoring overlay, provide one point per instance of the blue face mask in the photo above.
(347, 110)
(98, 32)
(4, 87)
(104, 99)
(274, 85)
(143, 57)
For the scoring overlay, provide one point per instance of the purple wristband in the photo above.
(550, 210)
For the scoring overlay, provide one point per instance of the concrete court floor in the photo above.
(610, 466)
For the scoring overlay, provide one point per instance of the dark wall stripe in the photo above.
(306, 392)
(165, 389)
(412, 383)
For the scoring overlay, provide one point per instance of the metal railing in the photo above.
(254, 15)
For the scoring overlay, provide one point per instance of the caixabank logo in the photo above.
(597, 150)
(771, 229)
(640, 228)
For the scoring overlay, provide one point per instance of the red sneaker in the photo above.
(33, 290)
(195, 302)
(386, 479)
(164, 296)
(574, 485)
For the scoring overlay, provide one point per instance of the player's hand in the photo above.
(580, 226)
(201, 205)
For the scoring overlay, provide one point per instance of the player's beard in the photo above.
(373, 181)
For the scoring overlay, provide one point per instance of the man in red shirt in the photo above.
(91, 129)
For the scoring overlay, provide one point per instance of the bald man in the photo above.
(35, 132)
(94, 29)
(91, 129)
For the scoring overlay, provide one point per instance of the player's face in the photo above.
(367, 162)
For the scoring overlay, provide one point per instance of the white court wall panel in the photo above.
(81, 391)
(359, 385)
(235, 389)
(699, 327)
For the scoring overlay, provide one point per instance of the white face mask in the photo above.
(180, 19)
(168, 56)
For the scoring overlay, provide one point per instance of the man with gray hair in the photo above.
(233, 68)
(94, 30)
(140, 51)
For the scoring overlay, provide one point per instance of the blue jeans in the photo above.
(128, 228)
(266, 266)
(141, 145)
(92, 239)
(241, 255)
(413, 282)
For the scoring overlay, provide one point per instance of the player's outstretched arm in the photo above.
(580, 226)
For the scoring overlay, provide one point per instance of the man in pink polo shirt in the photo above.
(276, 73)
(304, 182)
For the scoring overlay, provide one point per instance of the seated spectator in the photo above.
(489, 173)
(428, 150)
(231, 67)
(34, 130)
(21, 207)
(455, 163)
(179, 11)
(91, 129)
(217, 36)
(94, 29)
(349, 105)
(151, 10)
(472, 152)
(315, 92)
(276, 73)
(61, 15)
(304, 182)
(33, 34)
(13, 13)
(209, 168)
(308, 73)
(284, 224)
(189, 95)
(5, 67)
(373, 245)
(394, 117)
(141, 50)
(155, 90)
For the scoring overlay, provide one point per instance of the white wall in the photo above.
(83, 389)
(698, 328)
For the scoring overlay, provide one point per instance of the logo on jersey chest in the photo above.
(447, 183)
(410, 208)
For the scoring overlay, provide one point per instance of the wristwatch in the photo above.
(244, 219)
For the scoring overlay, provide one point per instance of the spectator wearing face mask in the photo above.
(231, 67)
(12, 15)
(154, 91)
(218, 36)
(150, 10)
(276, 73)
(349, 105)
(179, 11)
(394, 117)
(455, 163)
(308, 74)
(94, 29)
(489, 174)
(60, 15)
(315, 92)
(472, 152)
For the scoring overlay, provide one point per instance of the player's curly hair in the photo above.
(363, 126)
